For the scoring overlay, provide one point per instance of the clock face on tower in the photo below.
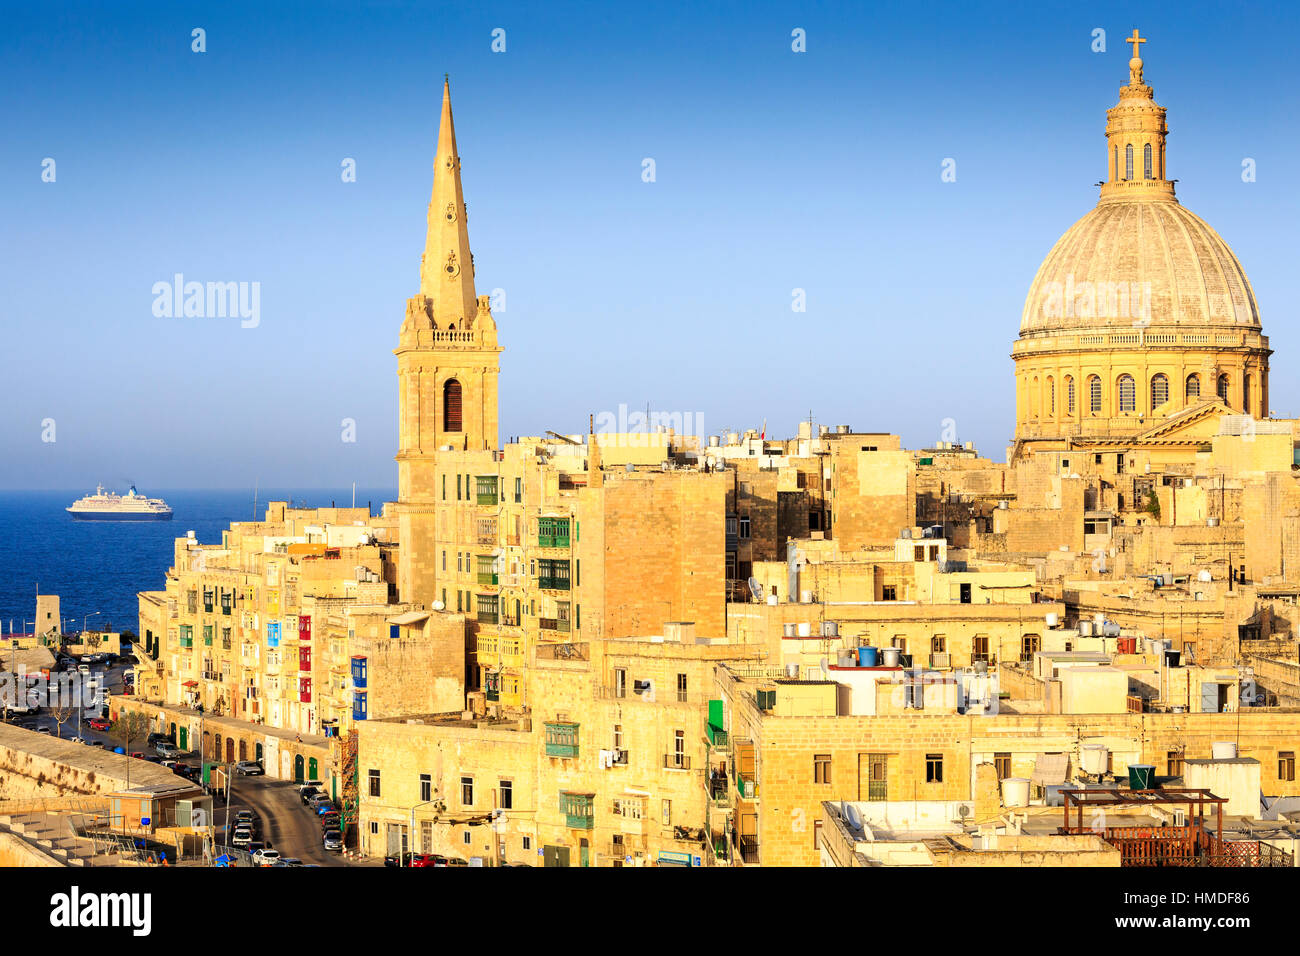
(452, 268)
(450, 214)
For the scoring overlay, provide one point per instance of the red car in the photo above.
(99, 723)
(424, 859)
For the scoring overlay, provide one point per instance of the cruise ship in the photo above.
(131, 506)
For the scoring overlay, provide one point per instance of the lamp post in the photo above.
(407, 861)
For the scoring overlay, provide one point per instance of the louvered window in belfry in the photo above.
(1146, 161)
(1128, 161)
(451, 406)
(1159, 391)
(1223, 388)
(1193, 387)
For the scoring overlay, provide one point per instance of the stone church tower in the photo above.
(448, 361)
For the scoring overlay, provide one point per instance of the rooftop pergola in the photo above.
(1196, 801)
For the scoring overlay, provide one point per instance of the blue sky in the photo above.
(775, 170)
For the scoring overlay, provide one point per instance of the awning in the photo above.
(1050, 768)
(190, 683)
(410, 617)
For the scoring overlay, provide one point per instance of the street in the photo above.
(286, 825)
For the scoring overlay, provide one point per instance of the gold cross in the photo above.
(1135, 40)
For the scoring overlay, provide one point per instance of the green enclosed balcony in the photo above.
(486, 574)
(486, 487)
(561, 739)
(716, 736)
(578, 809)
(552, 532)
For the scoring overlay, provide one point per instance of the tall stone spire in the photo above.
(1135, 139)
(447, 269)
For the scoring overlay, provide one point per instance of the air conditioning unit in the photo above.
(1180, 817)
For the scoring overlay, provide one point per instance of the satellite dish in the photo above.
(756, 589)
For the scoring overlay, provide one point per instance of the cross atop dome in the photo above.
(1135, 64)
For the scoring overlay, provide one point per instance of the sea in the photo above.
(97, 567)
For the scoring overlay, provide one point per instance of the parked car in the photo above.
(288, 861)
(324, 807)
(43, 730)
(139, 755)
(243, 836)
(306, 794)
(249, 768)
(266, 856)
(167, 749)
(255, 845)
(332, 840)
(96, 743)
(99, 723)
(331, 820)
(309, 785)
(394, 859)
(156, 738)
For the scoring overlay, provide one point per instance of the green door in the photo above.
(583, 854)
(259, 753)
(185, 737)
(297, 768)
(311, 769)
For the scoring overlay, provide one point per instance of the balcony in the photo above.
(748, 848)
(676, 761)
(716, 737)
(578, 809)
(553, 532)
(554, 624)
(487, 577)
(716, 785)
(486, 490)
(553, 583)
(561, 740)
(489, 616)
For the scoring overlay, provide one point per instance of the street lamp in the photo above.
(412, 830)
(83, 622)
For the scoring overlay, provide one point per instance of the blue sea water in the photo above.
(97, 567)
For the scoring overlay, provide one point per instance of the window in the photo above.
(374, 783)
(1286, 765)
(681, 688)
(1245, 394)
(938, 644)
(1051, 395)
(934, 768)
(444, 487)
(889, 592)
(620, 681)
(744, 526)
(1002, 763)
(1159, 391)
(1174, 763)
(667, 813)
(506, 791)
(1223, 388)
(426, 788)
(679, 749)
(1029, 646)
(1127, 394)
(467, 791)
(1094, 394)
(1193, 387)
(1114, 169)
(444, 558)
(465, 838)
(618, 736)
(458, 499)
(519, 490)
(1146, 161)
(527, 843)
(451, 406)
(980, 648)
(1128, 161)
(821, 768)
(899, 642)
(1069, 394)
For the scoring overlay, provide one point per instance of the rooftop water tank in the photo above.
(830, 629)
(1052, 619)
(788, 630)
(804, 628)
(1085, 628)
(1223, 750)
(890, 656)
(1141, 776)
(867, 657)
(1096, 758)
(792, 671)
(805, 597)
(1015, 791)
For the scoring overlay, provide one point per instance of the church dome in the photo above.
(1139, 263)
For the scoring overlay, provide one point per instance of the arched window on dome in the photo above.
(451, 406)
(1222, 390)
(1051, 397)
(1146, 161)
(1245, 394)
(1114, 169)
(1159, 390)
(1193, 391)
(1127, 394)
(1069, 394)
(1128, 161)
(1035, 398)
(1094, 394)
